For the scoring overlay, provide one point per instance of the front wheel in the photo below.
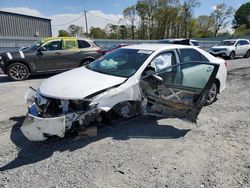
(247, 54)
(212, 94)
(86, 62)
(18, 71)
(232, 55)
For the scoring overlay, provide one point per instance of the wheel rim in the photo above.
(18, 72)
(212, 93)
(86, 63)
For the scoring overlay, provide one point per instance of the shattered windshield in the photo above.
(121, 62)
(227, 43)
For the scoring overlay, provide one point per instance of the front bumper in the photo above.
(37, 129)
(220, 53)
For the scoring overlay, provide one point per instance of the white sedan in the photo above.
(167, 80)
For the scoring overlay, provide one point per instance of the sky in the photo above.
(99, 12)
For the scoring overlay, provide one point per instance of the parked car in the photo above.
(49, 55)
(189, 42)
(232, 48)
(111, 48)
(156, 79)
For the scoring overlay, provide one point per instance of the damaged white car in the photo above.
(159, 79)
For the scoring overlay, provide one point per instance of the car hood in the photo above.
(77, 84)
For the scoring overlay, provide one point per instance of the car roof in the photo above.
(65, 38)
(155, 47)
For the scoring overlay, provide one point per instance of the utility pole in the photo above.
(86, 22)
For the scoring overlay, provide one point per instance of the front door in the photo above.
(48, 56)
(178, 91)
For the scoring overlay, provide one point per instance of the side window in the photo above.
(53, 45)
(191, 55)
(69, 44)
(244, 42)
(83, 44)
(163, 60)
(238, 43)
(191, 76)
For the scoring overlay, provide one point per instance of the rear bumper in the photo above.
(37, 129)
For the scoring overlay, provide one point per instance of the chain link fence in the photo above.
(14, 43)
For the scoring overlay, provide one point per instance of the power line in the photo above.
(69, 21)
(104, 18)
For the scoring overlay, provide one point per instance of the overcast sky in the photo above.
(100, 12)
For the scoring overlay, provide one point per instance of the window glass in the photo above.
(244, 42)
(121, 62)
(188, 75)
(53, 45)
(195, 43)
(163, 60)
(69, 44)
(191, 55)
(83, 44)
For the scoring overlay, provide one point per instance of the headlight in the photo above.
(30, 97)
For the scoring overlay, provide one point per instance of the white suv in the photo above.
(232, 48)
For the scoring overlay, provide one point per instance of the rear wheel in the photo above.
(86, 62)
(212, 94)
(232, 55)
(247, 54)
(18, 71)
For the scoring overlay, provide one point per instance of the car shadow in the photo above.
(140, 127)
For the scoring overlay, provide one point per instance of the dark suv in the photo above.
(49, 55)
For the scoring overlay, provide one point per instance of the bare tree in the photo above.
(130, 14)
(187, 9)
(221, 17)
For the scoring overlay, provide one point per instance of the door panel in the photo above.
(178, 91)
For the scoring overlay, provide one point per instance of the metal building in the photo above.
(12, 24)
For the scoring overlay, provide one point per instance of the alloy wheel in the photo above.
(18, 72)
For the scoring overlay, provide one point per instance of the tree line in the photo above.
(158, 19)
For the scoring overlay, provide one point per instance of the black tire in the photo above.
(247, 54)
(232, 55)
(86, 62)
(212, 95)
(18, 71)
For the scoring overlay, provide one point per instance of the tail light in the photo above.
(99, 51)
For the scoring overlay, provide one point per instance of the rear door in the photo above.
(178, 91)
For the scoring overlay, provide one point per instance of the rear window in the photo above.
(192, 55)
(195, 43)
(83, 44)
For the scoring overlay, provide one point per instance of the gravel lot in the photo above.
(142, 152)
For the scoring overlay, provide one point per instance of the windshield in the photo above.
(35, 45)
(121, 62)
(227, 43)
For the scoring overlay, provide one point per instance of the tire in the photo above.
(232, 55)
(18, 71)
(86, 62)
(212, 95)
(247, 54)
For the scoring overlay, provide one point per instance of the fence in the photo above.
(14, 43)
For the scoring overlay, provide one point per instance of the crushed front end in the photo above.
(54, 117)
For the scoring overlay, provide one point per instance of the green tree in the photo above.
(75, 30)
(221, 17)
(242, 30)
(97, 33)
(63, 33)
(242, 16)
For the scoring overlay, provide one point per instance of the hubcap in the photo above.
(18, 72)
(212, 93)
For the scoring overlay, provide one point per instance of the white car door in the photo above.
(178, 91)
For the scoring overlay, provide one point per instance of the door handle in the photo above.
(57, 53)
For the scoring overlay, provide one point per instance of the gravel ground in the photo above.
(142, 152)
